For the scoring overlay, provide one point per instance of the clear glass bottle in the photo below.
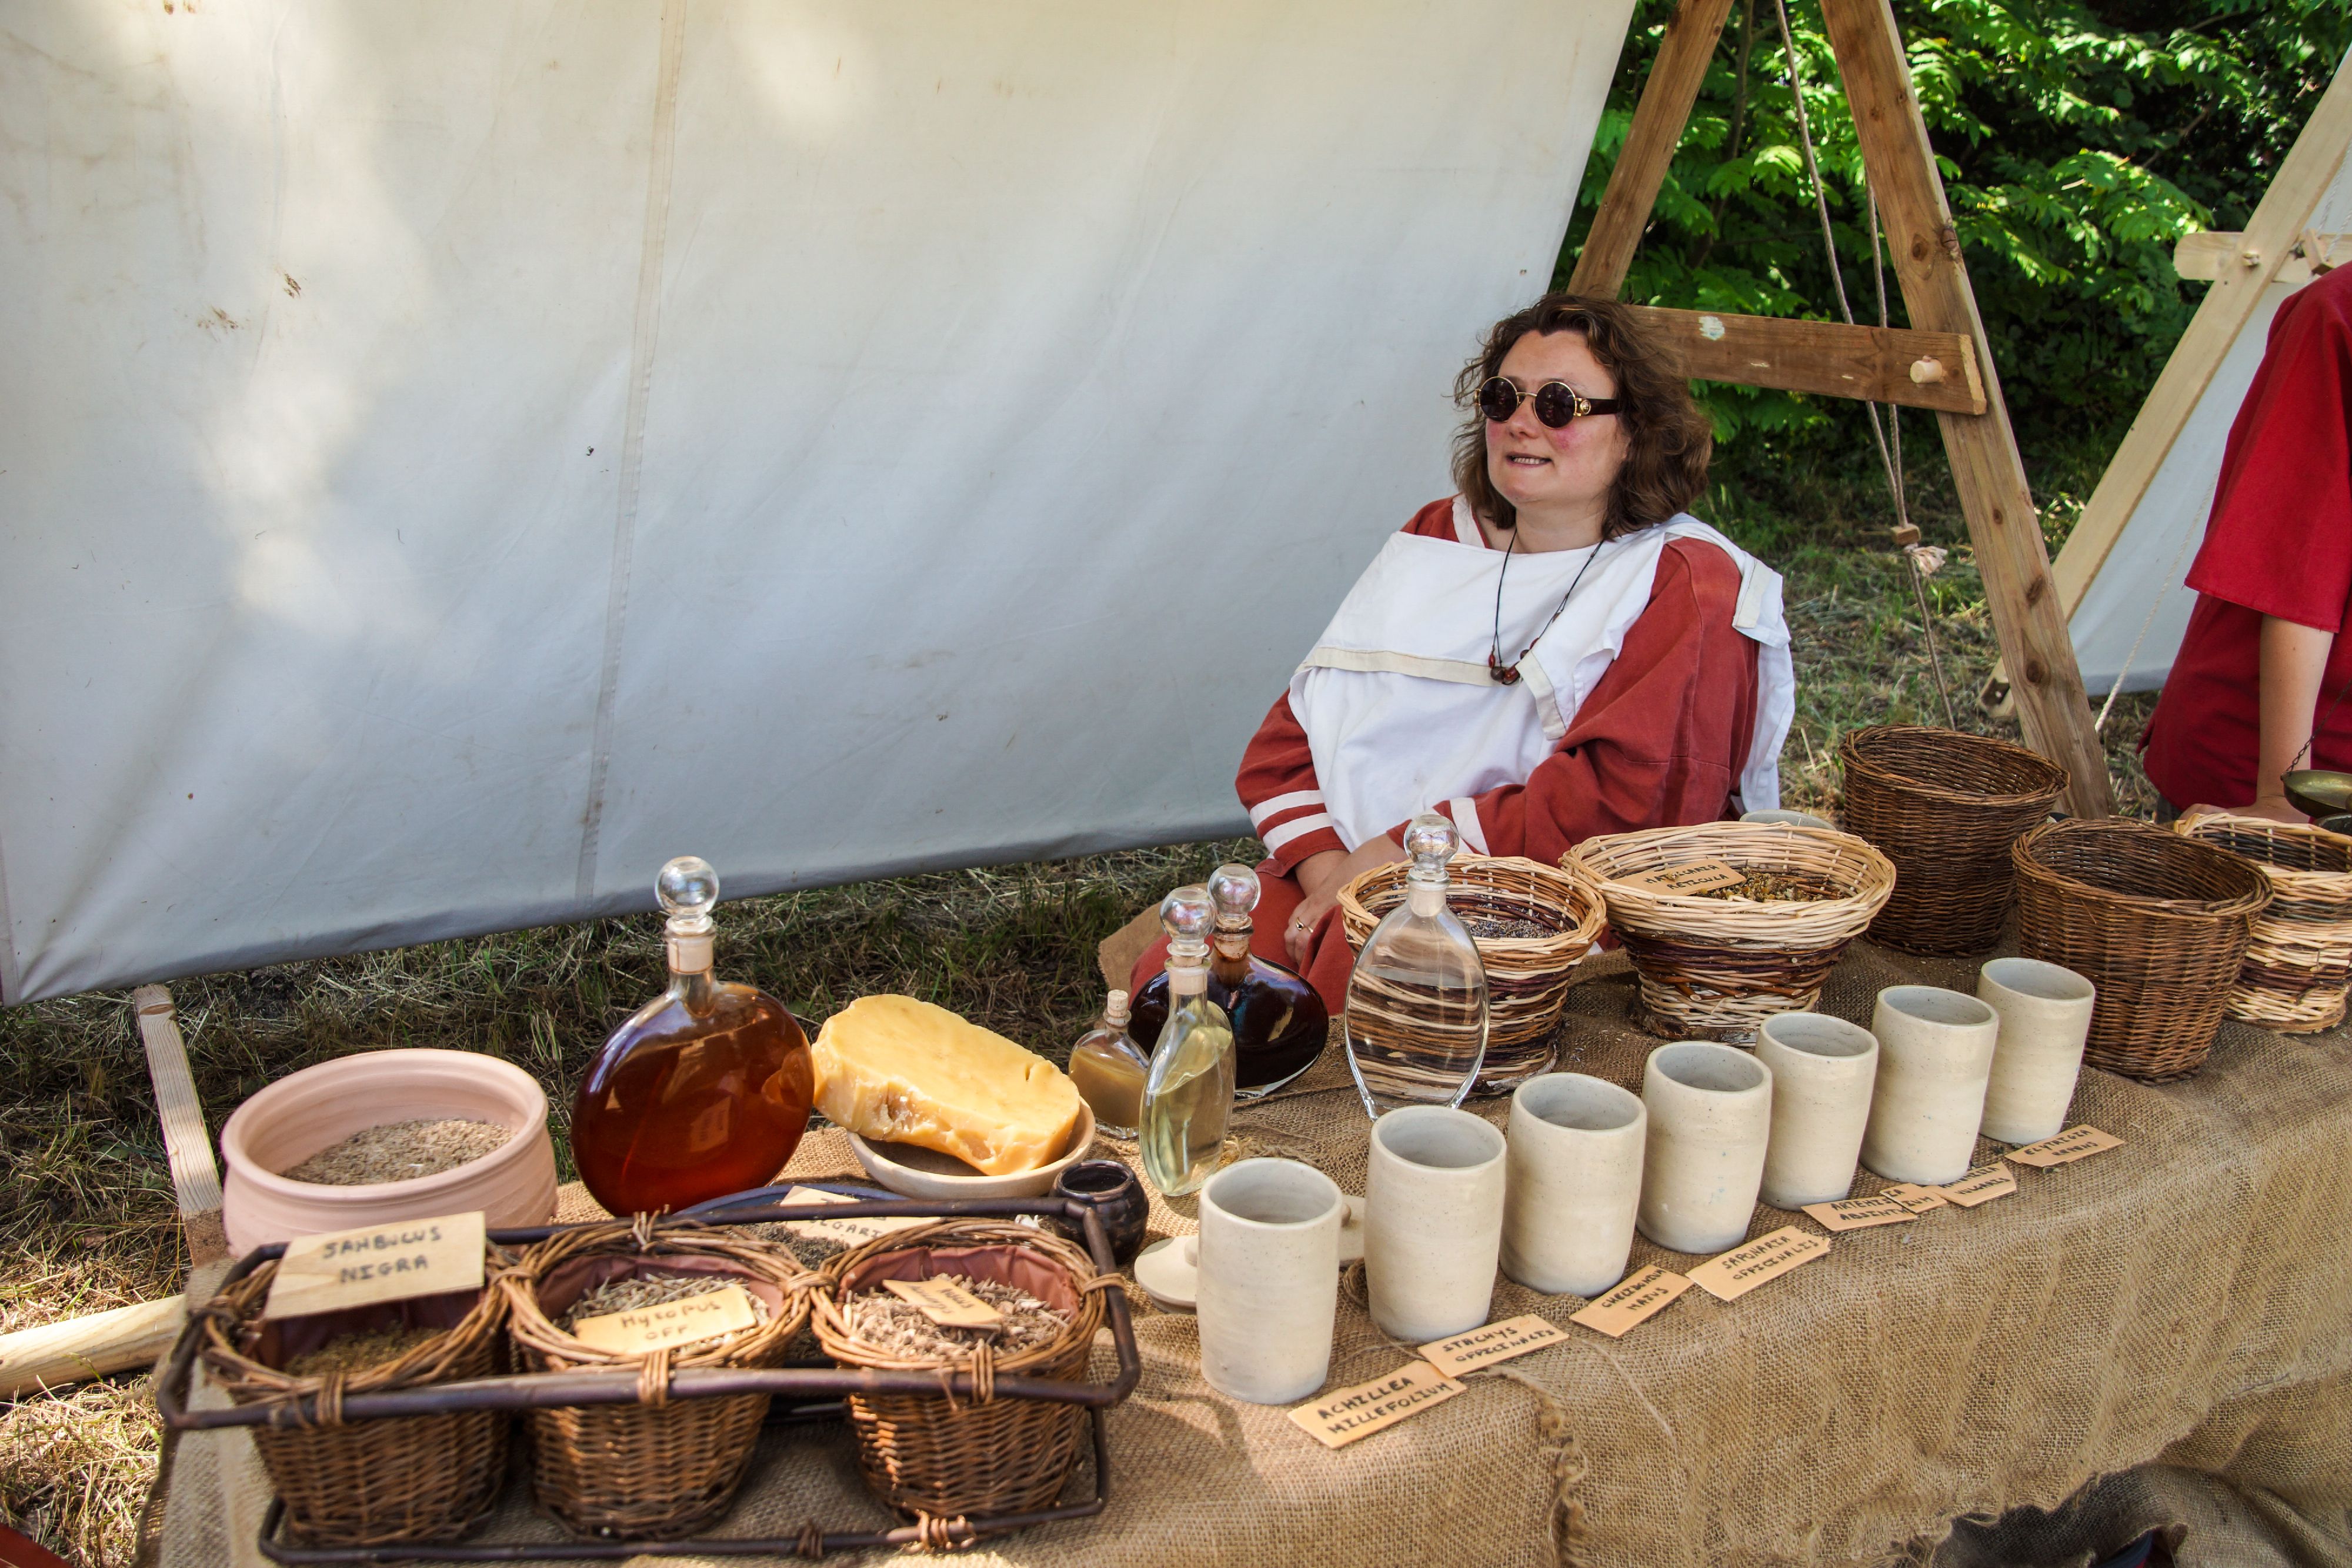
(1416, 1012)
(1189, 1098)
(705, 1091)
(1109, 1071)
(1280, 1025)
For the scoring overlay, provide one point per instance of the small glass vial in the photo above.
(1280, 1025)
(705, 1091)
(1109, 1072)
(1416, 1012)
(1188, 1096)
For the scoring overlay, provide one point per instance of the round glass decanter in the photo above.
(1416, 1013)
(1280, 1025)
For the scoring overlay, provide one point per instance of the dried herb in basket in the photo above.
(1777, 888)
(881, 1320)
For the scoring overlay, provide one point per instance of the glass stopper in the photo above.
(687, 887)
(1432, 841)
(1186, 916)
(1234, 889)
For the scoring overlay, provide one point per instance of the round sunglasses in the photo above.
(1558, 403)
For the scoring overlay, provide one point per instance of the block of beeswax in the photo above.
(896, 1069)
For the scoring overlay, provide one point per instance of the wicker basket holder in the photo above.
(2158, 922)
(931, 1455)
(1527, 977)
(1715, 969)
(1944, 808)
(656, 1468)
(2299, 961)
(367, 1483)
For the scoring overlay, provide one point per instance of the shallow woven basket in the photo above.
(1944, 808)
(1715, 969)
(368, 1483)
(1527, 977)
(933, 1456)
(658, 1467)
(2160, 923)
(2299, 960)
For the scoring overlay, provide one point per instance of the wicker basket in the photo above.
(2160, 923)
(1527, 977)
(2299, 962)
(931, 1455)
(655, 1469)
(1715, 969)
(1944, 808)
(370, 1483)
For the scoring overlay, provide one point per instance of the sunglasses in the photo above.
(1558, 403)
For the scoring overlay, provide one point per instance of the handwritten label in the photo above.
(1339, 1419)
(1731, 1275)
(1861, 1213)
(1634, 1300)
(1698, 876)
(1981, 1186)
(852, 1230)
(945, 1303)
(1495, 1342)
(1914, 1197)
(687, 1321)
(377, 1263)
(2075, 1143)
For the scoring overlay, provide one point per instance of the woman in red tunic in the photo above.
(1559, 650)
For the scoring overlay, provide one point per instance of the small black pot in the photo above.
(1110, 1189)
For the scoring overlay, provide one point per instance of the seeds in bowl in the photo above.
(354, 1351)
(1490, 928)
(881, 1320)
(637, 1292)
(401, 1151)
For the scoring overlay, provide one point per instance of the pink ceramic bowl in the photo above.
(300, 1114)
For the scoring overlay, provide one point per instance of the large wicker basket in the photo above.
(1527, 977)
(368, 1483)
(2299, 961)
(1944, 808)
(1715, 969)
(2160, 923)
(930, 1455)
(657, 1468)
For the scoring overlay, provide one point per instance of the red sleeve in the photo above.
(1662, 739)
(2280, 538)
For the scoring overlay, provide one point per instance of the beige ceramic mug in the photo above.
(1710, 1118)
(1269, 1279)
(1822, 1070)
(1432, 1221)
(1935, 1055)
(2045, 1016)
(1572, 1180)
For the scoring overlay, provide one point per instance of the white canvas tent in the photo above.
(454, 456)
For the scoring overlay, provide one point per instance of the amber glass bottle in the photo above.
(705, 1091)
(1280, 1025)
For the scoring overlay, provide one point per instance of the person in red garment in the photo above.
(2273, 578)
(1557, 651)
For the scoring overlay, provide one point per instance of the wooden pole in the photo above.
(79, 1349)
(195, 1179)
(1987, 468)
(1676, 76)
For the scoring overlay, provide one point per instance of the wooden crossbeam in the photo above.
(2203, 258)
(1676, 76)
(1878, 365)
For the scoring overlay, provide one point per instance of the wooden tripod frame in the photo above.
(1939, 364)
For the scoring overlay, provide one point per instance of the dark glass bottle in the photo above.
(705, 1091)
(1280, 1025)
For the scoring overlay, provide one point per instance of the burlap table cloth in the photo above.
(2187, 1297)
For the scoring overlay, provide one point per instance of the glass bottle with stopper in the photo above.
(1108, 1071)
(1280, 1025)
(1416, 1013)
(1188, 1096)
(705, 1091)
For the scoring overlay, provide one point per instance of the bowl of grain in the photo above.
(384, 1136)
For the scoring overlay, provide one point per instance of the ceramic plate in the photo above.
(917, 1172)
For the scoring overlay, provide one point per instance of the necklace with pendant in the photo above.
(1508, 674)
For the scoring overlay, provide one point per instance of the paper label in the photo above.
(1338, 1419)
(945, 1303)
(377, 1263)
(852, 1231)
(2075, 1143)
(1495, 1342)
(1632, 1301)
(1981, 1186)
(670, 1325)
(1914, 1197)
(1698, 876)
(1731, 1275)
(1861, 1213)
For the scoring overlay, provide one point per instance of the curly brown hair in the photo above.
(1668, 440)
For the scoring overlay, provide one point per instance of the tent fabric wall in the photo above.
(454, 456)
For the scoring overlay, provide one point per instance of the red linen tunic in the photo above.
(1662, 739)
(2279, 543)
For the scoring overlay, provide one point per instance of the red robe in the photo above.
(1661, 741)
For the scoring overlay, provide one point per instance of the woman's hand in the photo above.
(1322, 876)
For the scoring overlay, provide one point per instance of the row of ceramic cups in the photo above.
(1447, 1197)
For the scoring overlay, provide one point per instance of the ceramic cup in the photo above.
(1269, 1279)
(1432, 1221)
(1573, 1180)
(1823, 1068)
(2045, 1014)
(1934, 1053)
(1710, 1118)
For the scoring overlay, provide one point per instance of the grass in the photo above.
(86, 1211)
